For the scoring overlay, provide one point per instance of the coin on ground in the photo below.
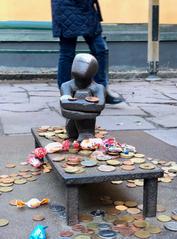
(71, 169)
(127, 156)
(3, 222)
(13, 202)
(139, 182)
(113, 162)
(160, 208)
(142, 234)
(127, 218)
(20, 181)
(6, 189)
(38, 217)
(131, 185)
(106, 168)
(172, 226)
(140, 223)
(137, 160)
(85, 152)
(174, 217)
(139, 155)
(58, 158)
(85, 218)
(106, 234)
(164, 218)
(117, 182)
(10, 165)
(117, 203)
(66, 233)
(82, 236)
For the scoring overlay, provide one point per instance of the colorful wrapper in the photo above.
(32, 203)
(38, 232)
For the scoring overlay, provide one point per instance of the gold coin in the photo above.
(63, 136)
(121, 208)
(174, 217)
(38, 217)
(93, 99)
(7, 180)
(6, 184)
(142, 234)
(147, 166)
(127, 156)
(6, 189)
(154, 230)
(127, 167)
(36, 173)
(110, 218)
(117, 203)
(81, 170)
(131, 185)
(106, 168)
(10, 165)
(133, 210)
(113, 162)
(117, 182)
(166, 180)
(3, 222)
(24, 170)
(139, 182)
(128, 162)
(131, 203)
(27, 176)
(20, 181)
(85, 218)
(163, 218)
(85, 152)
(138, 160)
(32, 179)
(13, 202)
(58, 158)
(140, 223)
(139, 155)
(127, 218)
(71, 169)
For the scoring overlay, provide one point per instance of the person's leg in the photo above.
(67, 54)
(98, 48)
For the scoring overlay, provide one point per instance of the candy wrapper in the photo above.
(38, 232)
(32, 203)
(40, 152)
(34, 161)
(54, 147)
(65, 145)
(93, 143)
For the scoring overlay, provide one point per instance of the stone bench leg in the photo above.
(150, 197)
(72, 204)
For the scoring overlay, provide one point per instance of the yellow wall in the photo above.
(114, 11)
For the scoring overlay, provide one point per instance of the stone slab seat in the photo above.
(93, 175)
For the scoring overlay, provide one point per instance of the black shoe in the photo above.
(113, 100)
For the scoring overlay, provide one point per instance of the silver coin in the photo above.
(104, 226)
(97, 213)
(107, 234)
(172, 226)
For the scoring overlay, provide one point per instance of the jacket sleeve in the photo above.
(98, 10)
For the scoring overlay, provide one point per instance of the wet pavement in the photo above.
(150, 107)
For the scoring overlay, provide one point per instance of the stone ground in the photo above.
(150, 107)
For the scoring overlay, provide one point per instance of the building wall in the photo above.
(114, 11)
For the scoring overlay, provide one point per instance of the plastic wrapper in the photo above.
(40, 152)
(32, 203)
(34, 161)
(54, 147)
(38, 232)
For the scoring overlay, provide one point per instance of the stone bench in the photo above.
(92, 175)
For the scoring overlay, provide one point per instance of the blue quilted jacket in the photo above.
(71, 18)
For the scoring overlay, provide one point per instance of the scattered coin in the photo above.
(6, 184)
(117, 203)
(92, 99)
(85, 152)
(85, 218)
(127, 167)
(131, 203)
(38, 217)
(138, 160)
(6, 189)
(160, 208)
(127, 218)
(106, 168)
(7, 180)
(66, 233)
(164, 218)
(121, 208)
(10, 165)
(117, 182)
(140, 223)
(139, 182)
(147, 166)
(106, 234)
(104, 226)
(139, 155)
(13, 202)
(142, 234)
(133, 211)
(3, 222)
(153, 229)
(110, 218)
(131, 185)
(113, 162)
(89, 163)
(128, 162)
(20, 181)
(127, 156)
(70, 169)
(174, 217)
(103, 157)
(166, 180)
(172, 226)
(32, 179)
(58, 158)
(82, 236)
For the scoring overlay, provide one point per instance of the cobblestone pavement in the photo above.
(150, 106)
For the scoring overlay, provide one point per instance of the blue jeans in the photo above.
(98, 48)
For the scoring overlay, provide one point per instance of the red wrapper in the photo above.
(76, 145)
(66, 145)
(40, 153)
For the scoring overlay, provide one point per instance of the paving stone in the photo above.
(30, 107)
(20, 123)
(13, 98)
(158, 109)
(169, 136)
(44, 93)
(167, 121)
(123, 123)
(122, 109)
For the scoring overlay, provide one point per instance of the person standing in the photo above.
(74, 18)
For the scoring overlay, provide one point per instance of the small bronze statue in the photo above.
(82, 99)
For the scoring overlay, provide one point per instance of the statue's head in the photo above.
(84, 68)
